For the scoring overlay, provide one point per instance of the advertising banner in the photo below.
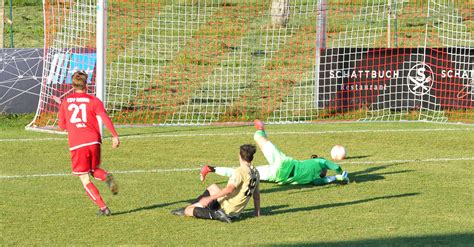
(20, 79)
(381, 78)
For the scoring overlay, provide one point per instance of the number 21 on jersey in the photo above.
(79, 115)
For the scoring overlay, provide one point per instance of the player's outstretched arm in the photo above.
(256, 200)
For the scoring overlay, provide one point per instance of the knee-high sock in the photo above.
(264, 172)
(224, 171)
(94, 194)
(228, 172)
(204, 213)
(100, 174)
(259, 133)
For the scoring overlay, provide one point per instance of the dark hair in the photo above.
(247, 151)
(314, 156)
(79, 80)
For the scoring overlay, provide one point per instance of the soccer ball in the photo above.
(338, 152)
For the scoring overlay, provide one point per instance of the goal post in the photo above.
(195, 62)
(101, 41)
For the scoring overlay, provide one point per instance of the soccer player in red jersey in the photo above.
(78, 116)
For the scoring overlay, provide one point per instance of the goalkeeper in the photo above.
(283, 169)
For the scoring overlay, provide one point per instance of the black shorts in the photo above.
(214, 205)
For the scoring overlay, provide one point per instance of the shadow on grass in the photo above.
(288, 187)
(369, 174)
(249, 213)
(357, 157)
(151, 207)
(339, 204)
(283, 209)
(460, 239)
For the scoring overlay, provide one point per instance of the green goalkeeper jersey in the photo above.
(301, 171)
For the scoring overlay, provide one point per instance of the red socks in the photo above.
(100, 174)
(93, 193)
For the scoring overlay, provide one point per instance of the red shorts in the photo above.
(85, 159)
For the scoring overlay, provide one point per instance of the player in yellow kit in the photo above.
(227, 203)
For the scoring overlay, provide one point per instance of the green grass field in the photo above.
(412, 185)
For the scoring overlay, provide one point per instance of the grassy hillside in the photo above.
(27, 26)
(224, 61)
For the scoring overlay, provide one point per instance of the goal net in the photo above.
(192, 62)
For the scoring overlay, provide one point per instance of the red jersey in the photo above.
(78, 115)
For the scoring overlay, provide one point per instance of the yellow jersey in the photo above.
(245, 179)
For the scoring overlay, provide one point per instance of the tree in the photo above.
(280, 11)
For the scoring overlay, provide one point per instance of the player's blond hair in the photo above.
(79, 80)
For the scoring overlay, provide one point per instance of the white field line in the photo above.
(115, 172)
(251, 133)
(196, 169)
(406, 161)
